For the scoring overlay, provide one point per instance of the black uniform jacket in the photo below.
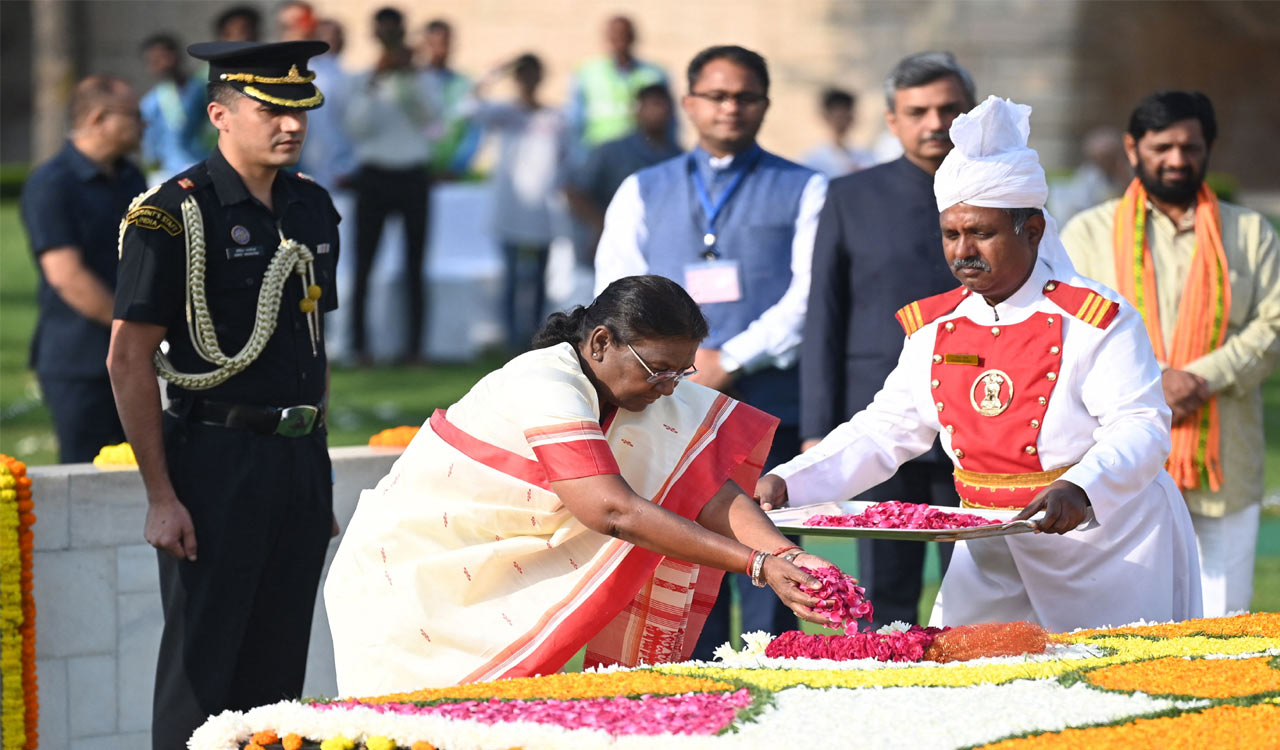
(240, 237)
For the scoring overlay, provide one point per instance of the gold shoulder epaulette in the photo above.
(1084, 304)
(922, 312)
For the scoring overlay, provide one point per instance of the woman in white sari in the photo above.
(574, 497)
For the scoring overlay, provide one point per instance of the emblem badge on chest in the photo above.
(991, 393)
(240, 235)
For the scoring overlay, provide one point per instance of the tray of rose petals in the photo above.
(899, 520)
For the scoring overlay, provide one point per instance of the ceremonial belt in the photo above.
(1002, 491)
(289, 421)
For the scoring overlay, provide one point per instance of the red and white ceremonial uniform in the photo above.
(1056, 382)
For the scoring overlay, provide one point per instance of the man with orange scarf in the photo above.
(1205, 274)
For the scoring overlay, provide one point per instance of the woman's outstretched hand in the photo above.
(792, 585)
(771, 492)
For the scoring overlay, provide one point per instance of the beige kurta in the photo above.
(1236, 370)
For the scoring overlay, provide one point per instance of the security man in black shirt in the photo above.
(232, 263)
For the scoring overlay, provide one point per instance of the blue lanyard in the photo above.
(711, 210)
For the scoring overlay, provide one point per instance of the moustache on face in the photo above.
(962, 263)
(941, 136)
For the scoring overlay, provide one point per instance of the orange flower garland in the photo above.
(394, 437)
(1200, 678)
(1220, 726)
(20, 701)
(570, 686)
(1259, 624)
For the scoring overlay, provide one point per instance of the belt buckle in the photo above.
(296, 421)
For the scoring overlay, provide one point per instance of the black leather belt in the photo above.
(289, 421)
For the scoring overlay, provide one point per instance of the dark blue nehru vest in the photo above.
(755, 227)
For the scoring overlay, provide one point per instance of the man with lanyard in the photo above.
(1170, 246)
(734, 224)
(232, 263)
(876, 250)
(1043, 389)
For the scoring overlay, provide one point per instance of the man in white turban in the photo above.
(1044, 391)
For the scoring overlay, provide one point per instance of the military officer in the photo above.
(232, 264)
(1045, 393)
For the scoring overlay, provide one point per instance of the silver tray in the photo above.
(791, 521)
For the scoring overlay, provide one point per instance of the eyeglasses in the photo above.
(664, 376)
(743, 99)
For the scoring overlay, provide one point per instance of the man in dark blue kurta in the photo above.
(71, 208)
(877, 249)
(734, 224)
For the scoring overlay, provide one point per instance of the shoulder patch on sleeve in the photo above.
(151, 217)
(1083, 304)
(186, 183)
(922, 312)
(305, 176)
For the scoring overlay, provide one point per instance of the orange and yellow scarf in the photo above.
(1201, 325)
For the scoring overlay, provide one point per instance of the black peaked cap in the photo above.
(274, 73)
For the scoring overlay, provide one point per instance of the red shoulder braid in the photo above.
(922, 312)
(1084, 304)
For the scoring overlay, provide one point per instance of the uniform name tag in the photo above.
(251, 251)
(961, 359)
(713, 281)
(150, 217)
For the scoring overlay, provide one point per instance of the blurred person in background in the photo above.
(329, 157)
(177, 132)
(71, 207)
(733, 224)
(1205, 274)
(454, 138)
(239, 23)
(295, 21)
(594, 183)
(602, 95)
(388, 112)
(835, 157)
(533, 148)
(1104, 175)
(877, 249)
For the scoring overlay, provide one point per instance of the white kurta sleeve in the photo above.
(1122, 390)
(618, 253)
(870, 447)
(774, 337)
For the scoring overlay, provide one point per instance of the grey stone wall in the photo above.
(98, 618)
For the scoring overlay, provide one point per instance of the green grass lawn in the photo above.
(365, 401)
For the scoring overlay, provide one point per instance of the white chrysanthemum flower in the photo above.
(724, 652)
(897, 626)
(755, 643)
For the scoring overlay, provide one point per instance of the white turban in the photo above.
(992, 167)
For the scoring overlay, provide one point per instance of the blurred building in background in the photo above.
(1079, 63)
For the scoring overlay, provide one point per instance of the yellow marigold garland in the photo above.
(119, 456)
(19, 702)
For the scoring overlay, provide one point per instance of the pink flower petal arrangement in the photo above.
(895, 514)
(896, 645)
(691, 713)
(844, 602)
